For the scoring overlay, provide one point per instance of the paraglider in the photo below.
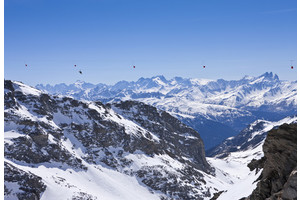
(25, 65)
(292, 67)
(203, 64)
(133, 66)
(79, 71)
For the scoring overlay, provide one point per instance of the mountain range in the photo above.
(59, 147)
(216, 108)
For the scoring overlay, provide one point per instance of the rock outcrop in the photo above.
(278, 179)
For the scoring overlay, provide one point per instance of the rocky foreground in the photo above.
(278, 179)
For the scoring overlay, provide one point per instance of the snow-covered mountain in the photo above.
(227, 106)
(249, 138)
(57, 147)
(62, 148)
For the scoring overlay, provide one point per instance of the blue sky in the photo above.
(105, 38)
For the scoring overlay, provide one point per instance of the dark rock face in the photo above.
(30, 186)
(177, 139)
(278, 179)
(289, 190)
(45, 130)
(33, 145)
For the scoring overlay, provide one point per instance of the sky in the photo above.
(105, 38)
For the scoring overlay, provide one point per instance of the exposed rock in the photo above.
(29, 186)
(216, 195)
(177, 139)
(289, 190)
(278, 178)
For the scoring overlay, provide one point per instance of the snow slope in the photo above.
(96, 183)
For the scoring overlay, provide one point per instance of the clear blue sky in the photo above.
(104, 38)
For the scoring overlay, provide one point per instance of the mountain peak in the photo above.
(248, 77)
(79, 82)
(160, 80)
(21, 87)
(160, 77)
(270, 76)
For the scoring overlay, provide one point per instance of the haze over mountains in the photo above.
(216, 108)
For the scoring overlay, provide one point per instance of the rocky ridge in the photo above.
(278, 179)
(51, 141)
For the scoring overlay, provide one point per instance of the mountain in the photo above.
(71, 89)
(252, 160)
(57, 147)
(249, 138)
(228, 106)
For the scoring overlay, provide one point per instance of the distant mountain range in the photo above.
(217, 109)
